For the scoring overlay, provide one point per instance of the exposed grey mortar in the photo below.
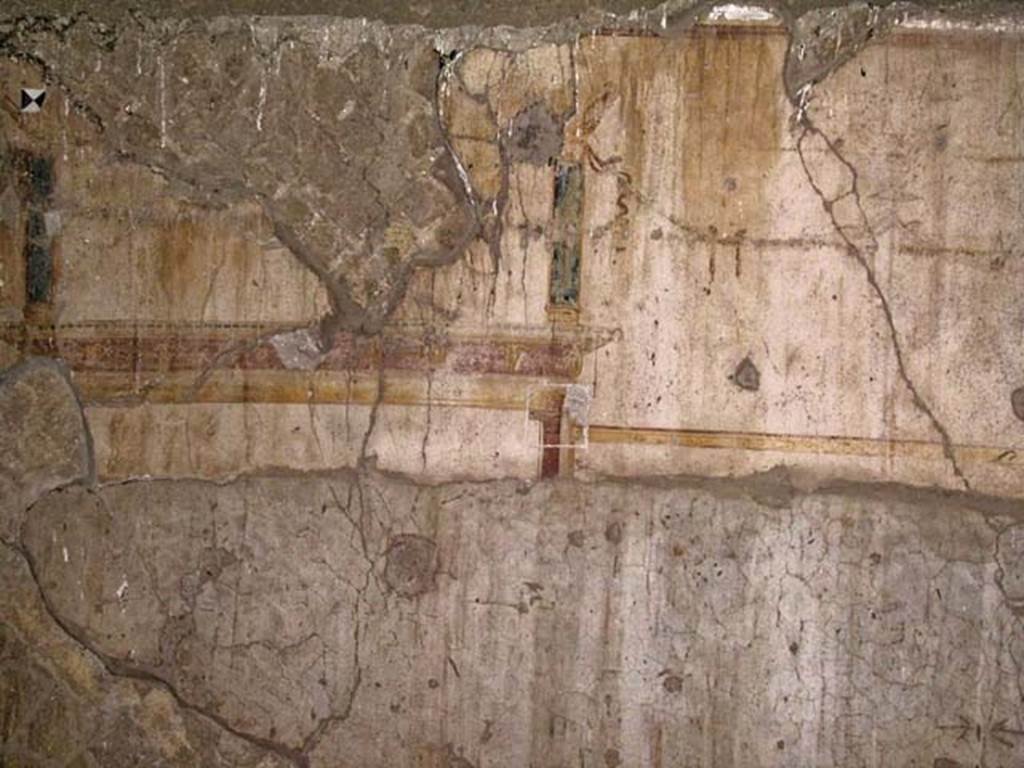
(118, 668)
(89, 479)
(769, 490)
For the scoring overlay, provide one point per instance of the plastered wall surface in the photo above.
(643, 390)
(853, 254)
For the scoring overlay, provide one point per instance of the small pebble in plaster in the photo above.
(746, 376)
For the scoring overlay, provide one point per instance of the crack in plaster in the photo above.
(120, 669)
(342, 297)
(828, 204)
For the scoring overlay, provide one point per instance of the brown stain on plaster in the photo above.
(728, 104)
(178, 262)
(717, 91)
(732, 116)
(199, 258)
(126, 449)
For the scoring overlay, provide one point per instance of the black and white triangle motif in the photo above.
(32, 99)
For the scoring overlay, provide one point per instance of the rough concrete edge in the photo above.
(579, 14)
(774, 488)
(661, 19)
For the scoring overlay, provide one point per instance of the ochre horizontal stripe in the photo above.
(763, 441)
(323, 388)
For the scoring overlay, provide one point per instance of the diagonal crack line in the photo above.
(809, 128)
(313, 740)
(118, 668)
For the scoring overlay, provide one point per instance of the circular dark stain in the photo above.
(612, 758)
(576, 538)
(411, 565)
(1017, 402)
(794, 647)
(673, 684)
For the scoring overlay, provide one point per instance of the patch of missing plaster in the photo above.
(411, 565)
(672, 683)
(455, 760)
(298, 350)
(734, 12)
(824, 39)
